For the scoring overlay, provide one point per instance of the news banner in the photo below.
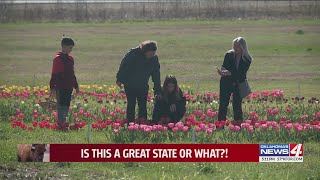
(176, 153)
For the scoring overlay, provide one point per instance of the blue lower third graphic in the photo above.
(274, 150)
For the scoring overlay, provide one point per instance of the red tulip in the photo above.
(35, 123)
(23, 126)
(13, 125)
(275, 111)
(108, 121)
(94, 125)
(104, 110)
(103, 125)
(18, 111)
(53, 126)
(288, 110)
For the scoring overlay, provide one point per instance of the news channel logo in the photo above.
(281, 153)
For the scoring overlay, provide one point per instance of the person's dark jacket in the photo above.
(162, 107)
(135, 71)
(172, 99)
(237, 75)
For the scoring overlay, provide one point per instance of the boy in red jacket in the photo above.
(63, 80)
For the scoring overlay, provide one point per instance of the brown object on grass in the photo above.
(50, 105)
(27, 154)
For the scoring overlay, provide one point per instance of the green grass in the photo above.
(188, 49)
(9, 137)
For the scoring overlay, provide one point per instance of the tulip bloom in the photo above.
(104, 110)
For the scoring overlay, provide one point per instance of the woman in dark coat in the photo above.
(233, 72)
(172, 105)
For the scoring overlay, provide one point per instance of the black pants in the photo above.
(162, 110)
(133, 95)
(63, 103)
(226, 89)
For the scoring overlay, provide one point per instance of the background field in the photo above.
(284, 51)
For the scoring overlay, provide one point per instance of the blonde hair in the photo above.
(243, 45)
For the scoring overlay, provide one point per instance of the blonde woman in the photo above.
(233, 72)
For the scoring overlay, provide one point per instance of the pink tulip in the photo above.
(198, 129)
(81, 111)
(165, 129)
(87, 114)
(116, 125)
(147, 130)
(116, 131)
(185, 128)
(211, 125)
(288, 126)
(202, 126)
(237, 128)
(209, 131)
(175, 129)
(231, 127)
(299, 129)
(131, 128)
(75, 115)
(264, 126)
(171, 125)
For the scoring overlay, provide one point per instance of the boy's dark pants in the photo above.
(63, 103)
(226, 89)
(133, 95)
(162, 110)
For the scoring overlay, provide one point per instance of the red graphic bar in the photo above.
(154, 152)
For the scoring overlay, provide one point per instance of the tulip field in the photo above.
(269, 116)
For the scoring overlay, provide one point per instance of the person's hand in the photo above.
(158, 96)
(52, 92)
(119, 84)
(173, 108)
(223, 72)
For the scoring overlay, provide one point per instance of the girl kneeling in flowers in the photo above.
(172, 106)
